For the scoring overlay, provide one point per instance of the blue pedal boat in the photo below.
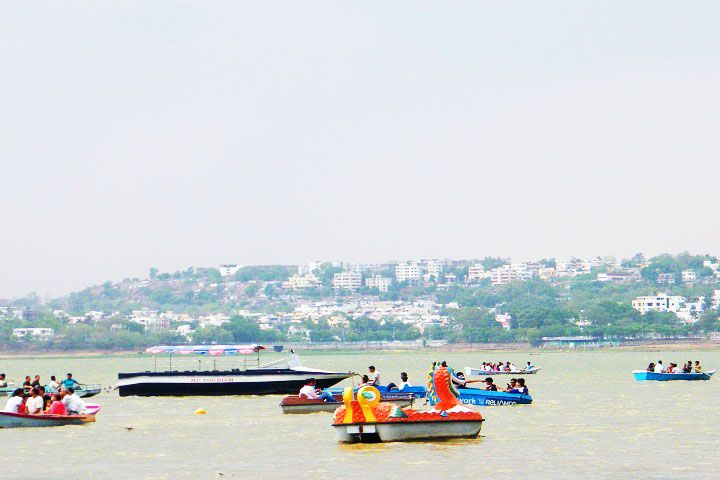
(642, 375)
(468, 396)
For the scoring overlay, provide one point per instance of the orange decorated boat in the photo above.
(365, 418)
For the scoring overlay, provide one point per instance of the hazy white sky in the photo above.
(170, 134)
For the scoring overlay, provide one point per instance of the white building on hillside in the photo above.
(407, 272)
(476, 272)
(379, 282)
(510, 273)
(688, 276)
(34, 333)
(310, 267)
(347, 280)
(434, 268)
(660, 302)
(228, 269)
(297, 282)
(716, 300)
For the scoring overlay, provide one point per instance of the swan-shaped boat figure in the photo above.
(364, 418)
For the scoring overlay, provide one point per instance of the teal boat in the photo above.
(643, 375)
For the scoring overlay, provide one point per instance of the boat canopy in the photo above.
(205, 349)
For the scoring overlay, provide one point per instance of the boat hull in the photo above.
(295, 405)
(215, 383)
(84, 392)
(407, 431)
(477, 372)
(470, 396)
(642, 375)
(13, 420)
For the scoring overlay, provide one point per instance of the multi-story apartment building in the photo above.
(476, 272)
(379, 282)
(688, 276)
(407, 272)
(660, 302)
(510, 273)
(298, 282)
(34, 333)
(434, 268)
(347, 280)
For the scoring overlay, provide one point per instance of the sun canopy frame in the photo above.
(215, 350)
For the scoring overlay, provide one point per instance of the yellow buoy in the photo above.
(200, 411)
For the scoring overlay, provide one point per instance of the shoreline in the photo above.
(390, 349)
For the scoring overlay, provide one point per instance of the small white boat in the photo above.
(479, 372)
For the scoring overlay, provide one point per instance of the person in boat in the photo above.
(365, 381)
(650, 367)
(36, 381)
(687, 367)
(16, 403)
(54, 385)
(70, 382)
(35, 404)
(511, 384)
(529, 366)
(519, 387)
(403, 383)
(698, 367)
(374, 376)
(311, 392)
(73, 403)
(57, 407)
(490, 384)
(27, 384)
(659, 368)
(3, 382)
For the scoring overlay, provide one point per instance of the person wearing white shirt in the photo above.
(659, 367)
(73, 403)
(310, 392)
(374, 376)
(53, 385)
(404, 381)
(14, 403)
(35, 403)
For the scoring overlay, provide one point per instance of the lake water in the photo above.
(589, 419)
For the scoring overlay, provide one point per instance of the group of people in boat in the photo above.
(504, 367)
(34, 398)
(372, 378)
(688, 367)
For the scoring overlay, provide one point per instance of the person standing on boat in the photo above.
(15, 403)
(659, 367)
(311, 393)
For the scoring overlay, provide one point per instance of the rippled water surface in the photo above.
(589, 419)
